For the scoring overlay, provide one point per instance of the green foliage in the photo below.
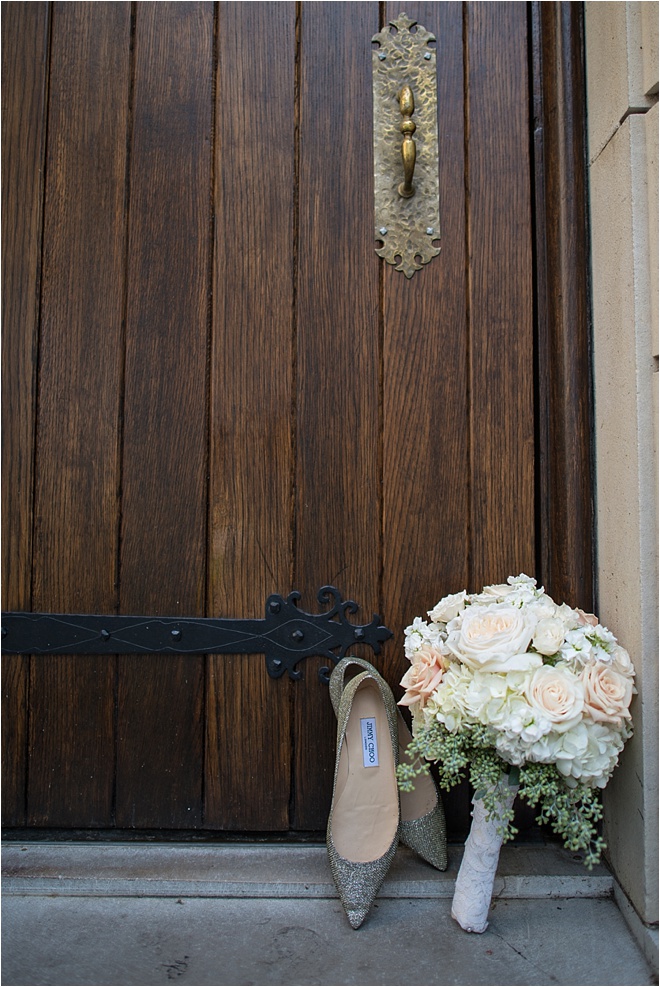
(573, 813)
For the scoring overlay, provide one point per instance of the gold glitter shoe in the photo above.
(363, 827)
(423, 827)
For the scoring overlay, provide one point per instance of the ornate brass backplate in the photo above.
(404, 75)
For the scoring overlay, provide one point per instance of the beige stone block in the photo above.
(615, 66)
(653, 181)
(652, 140)
(627, 523)
(607, 71)
(649, 28)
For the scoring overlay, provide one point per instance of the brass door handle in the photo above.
(408, 147)
(406, 215)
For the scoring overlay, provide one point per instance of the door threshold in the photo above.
(273, 871)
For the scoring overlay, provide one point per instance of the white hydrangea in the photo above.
(523, 591)
(591, 759)
(449, 704)
(586, 644)
(523, 580)
(420, 634)
(543, 607)
(568, 616)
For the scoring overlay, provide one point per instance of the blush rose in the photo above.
(558, 694)
(607, 693)
(423, 677)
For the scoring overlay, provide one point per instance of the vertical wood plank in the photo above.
(248, 759)
(25, 29)
(24, 86)
(15, 678)
(562, 243)
(163, 553)
(338, 494)
(500, 293)
(426, 472)
(425, 413)
(76, 520)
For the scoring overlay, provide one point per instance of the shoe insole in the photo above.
(365, 813)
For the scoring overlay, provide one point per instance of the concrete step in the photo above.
(273, 871)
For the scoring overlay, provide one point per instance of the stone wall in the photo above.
(622, 94)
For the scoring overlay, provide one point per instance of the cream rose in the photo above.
(496, 591)
(493, 638)
(448, 608)
(548, 636)
(607, 693)
(423, 677)
(622, 661)
(558, 694)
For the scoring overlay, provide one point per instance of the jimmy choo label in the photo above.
(369, 742)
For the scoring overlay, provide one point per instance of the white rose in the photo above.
(448, 607)
(607, 693)
(548, 636)
(622, 661)
(558, 694)
(492, 594)
(493, 638)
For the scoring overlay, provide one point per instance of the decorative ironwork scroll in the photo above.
(406, 223)
(285, 636)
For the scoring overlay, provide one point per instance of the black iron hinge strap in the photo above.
(285, 636)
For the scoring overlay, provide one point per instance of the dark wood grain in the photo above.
(500, 294)
(77, 478)
(248, 760)
(338, 490)
(24, 85)
(564, 381)
(163, 547)
(15, 678)
(426, 475)
(425, 396)
(25, 29)
(235, 396)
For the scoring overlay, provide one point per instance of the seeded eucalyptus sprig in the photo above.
(573, 813)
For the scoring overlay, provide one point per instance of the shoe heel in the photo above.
(423, 826)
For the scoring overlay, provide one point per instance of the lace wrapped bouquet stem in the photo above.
(476, 875)
(523, 695)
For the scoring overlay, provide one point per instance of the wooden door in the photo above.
(214, 389)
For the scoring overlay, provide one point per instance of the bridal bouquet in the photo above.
(525, 696)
